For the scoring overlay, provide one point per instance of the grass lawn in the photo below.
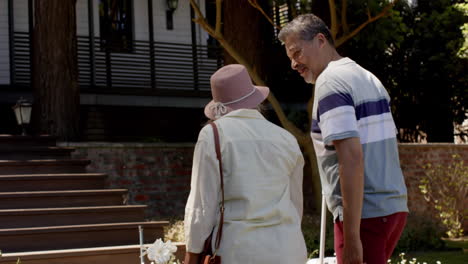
(430, 257)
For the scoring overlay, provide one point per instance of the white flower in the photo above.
(327, 260)
(161, 252)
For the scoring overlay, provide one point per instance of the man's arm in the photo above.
(351, 166)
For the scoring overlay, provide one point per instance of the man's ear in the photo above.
(322, 40)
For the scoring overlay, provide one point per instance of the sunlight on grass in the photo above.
(432, 257)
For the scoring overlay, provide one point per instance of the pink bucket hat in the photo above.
(232, 89)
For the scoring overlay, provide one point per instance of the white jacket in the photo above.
(263, 171)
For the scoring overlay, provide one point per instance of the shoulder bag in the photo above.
(207, 256)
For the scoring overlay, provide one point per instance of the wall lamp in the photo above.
(171, 7)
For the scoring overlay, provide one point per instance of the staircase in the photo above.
(53, 211)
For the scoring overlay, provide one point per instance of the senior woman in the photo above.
(262, 167)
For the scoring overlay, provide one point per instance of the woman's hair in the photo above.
(306, 27)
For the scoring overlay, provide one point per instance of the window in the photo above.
(212, 43)
(281, 16)
(116, 25)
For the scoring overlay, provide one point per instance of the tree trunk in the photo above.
(54, 69)
(248, 40)
(248, 32)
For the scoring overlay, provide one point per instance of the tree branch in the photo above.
(344, 18)
(310, 105)
(219, 10)
(370, 19)
(334, 19)
(200, 19)
(254, 3)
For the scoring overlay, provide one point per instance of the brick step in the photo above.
(16, 140)
(34, 153)
(129, 254)
(41, 217)
(55, 199)
(50, 182)
(43, 166)
(78, 236)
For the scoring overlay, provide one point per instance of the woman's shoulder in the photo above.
(282, 134)
(280, 130)
(205, 133)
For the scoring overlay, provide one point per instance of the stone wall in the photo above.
(158, 174)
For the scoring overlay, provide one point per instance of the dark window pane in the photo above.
(213, 45)
(116, 25)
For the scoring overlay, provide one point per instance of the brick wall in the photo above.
(158, 175)
(413, 157)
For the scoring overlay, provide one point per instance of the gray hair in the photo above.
(307, 26)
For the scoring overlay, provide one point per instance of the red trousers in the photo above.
(379, 236)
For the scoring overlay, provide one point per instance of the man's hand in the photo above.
(352, 252)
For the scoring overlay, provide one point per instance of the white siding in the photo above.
(180, 34)
(4, 44)
(140, 18)
(202, 35)
(181, 18)
(21, 15)
(82, 18)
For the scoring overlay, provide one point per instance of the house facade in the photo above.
(142, 66)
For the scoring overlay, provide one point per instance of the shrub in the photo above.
(403, 260)
(175, 231)
(311, 231)
(445, 186)
(420, 234)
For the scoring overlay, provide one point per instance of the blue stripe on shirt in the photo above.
(333, 101)
(315, 126)
(372, 108)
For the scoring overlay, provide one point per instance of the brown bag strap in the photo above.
(221, 209)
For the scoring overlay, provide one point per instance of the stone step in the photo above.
(30, 153)
(8, 141)
(56, 199)
(41, 217)
(129, 254)
(78, 236)
(50, 182)
(43, 166)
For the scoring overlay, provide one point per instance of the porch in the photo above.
(152, 68)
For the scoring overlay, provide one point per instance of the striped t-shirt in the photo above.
(350, 101)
